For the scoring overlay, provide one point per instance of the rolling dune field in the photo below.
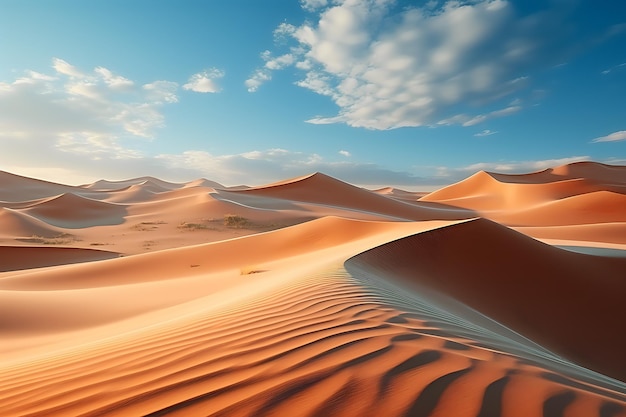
(500, 295)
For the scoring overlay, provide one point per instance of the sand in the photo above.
(313, 297)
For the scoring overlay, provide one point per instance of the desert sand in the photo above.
(500, 295)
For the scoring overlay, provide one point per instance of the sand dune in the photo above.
(73, 211)
(20, 225)
(18, 188)
(321, 189)
(105, 185)
(312, 297)
(583, 193)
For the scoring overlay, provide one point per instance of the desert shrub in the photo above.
(236, 221)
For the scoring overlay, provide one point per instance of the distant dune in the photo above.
(313, 297)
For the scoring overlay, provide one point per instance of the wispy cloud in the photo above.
(205, 81)
(345, 153)
(466, 120)
(485, 132)
(63, 67)
(613, 68)
(613, 137)
(387, 67)
(161, 91)
(115, 82)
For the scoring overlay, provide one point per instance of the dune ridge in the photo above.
(313, 297)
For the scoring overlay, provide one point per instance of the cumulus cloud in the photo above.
(387, 66)
(613, 137)
(205, 81)
(345, 153)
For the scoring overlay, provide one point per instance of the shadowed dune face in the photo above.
(312, 297)
(15, 258)
(562, 300)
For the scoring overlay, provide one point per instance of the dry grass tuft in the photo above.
(236, 221)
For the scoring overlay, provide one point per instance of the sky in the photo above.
(413, 94)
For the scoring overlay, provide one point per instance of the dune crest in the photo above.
(314, 297)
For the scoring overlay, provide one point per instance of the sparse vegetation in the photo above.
(195, 226)
(146, 226)
(148, 244)
(235, 221)
(60, 239)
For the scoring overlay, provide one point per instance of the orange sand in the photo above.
(312, 297)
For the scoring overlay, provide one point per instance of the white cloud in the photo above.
(283, 30)
(87, 113)
(485, 132)
(312, 5)
(205, 81)
(115, 82)
(388, 67)
(162, 91)
(345, 153)
(280, 62)
(257, 79)
(94, 146)
(62, 67)
(613, 137)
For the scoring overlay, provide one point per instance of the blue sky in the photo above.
(414, 94)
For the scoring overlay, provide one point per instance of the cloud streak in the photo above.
(613, 137)
(484, 133)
